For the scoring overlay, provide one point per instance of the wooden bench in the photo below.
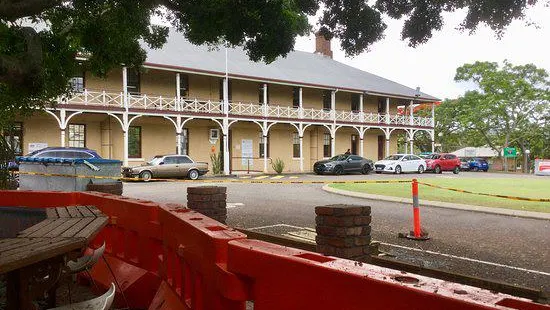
(35, 258)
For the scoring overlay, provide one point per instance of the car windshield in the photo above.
(339, 157)
(394, 157)
(432, 156)
(155, 161)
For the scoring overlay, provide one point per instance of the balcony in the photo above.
(238, 109)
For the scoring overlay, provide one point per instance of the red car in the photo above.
(443, 162)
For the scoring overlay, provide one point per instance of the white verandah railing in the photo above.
(148, 102)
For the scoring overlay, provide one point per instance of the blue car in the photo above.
(478, 164)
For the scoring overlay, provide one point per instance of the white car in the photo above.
(399, 163)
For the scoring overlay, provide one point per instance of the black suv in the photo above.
(344, 163)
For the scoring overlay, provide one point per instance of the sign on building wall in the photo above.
(247, 152)
(37, 146)
(542, 167)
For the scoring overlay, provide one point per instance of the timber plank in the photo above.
(93, 228)
(16, 243)
(62, 212)
(95, 211)
(85, 212)
(65, 225)
(32, 229)
(28, 247)
(46, 229)
(51, 213)
(77, 227)
(40, 253)
(73, 212)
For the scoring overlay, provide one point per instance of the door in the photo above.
(409, 163)
(183, 165)
(168, 168)
(354, 144)
(353, 163)
(381, 146)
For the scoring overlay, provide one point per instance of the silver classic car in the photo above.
(167, 166)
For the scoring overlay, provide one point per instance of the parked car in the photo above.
(167, 166)
(478, 164)
(65, 152)
(465, 164)
(343, 163)
(443, 162)
(399, 163)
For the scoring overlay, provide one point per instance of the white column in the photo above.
(433, 146)
(387, 147)
(125, 136)
(266, 109)
(387, 110)
(361, 147)
(178, 90)
(226, 96)
(411, 143)
(361, 110)
(225, 131)
(333, 104)
(332, 141)
(411, 112)
(62, 137)
(300, 103)
(265, 153)
(178, 142)
(301, 153)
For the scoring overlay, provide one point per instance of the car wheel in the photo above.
(437, 169)
(193, 174)
(365, 169)
(485, 170)
(420, 169)
(378, 172)
(146, 176)
(475, 169)
(398, 170)
(456, 170)
(338, 170)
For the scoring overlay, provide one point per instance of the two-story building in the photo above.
(194, 100)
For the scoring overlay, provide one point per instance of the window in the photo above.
(183, 160)
(327, 141)
(296, 97)
(14, 137)
(77, 135)
(134, 142)
(381, 105)
(170, 160)
(184, 85)
(229, 90)
(184, 142)
(353, 157)
(355, 98)
(295, 145)
(327, 100)
(261, 93)
(77, 81)
(132, 81)
(261, 146)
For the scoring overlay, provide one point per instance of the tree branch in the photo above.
(11, 10)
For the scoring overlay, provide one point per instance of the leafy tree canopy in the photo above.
(510, 107)
(39, 39)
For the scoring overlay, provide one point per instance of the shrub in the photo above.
(278, 165)
(217, 162)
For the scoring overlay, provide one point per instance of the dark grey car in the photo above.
(344, 163)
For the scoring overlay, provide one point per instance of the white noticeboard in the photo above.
(246, 152)
(37, 146)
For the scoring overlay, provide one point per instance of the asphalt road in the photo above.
(496, 247)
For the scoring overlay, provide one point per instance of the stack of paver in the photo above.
(210, 201)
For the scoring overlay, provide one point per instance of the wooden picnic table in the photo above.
(34, 260)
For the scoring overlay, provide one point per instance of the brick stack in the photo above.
(210, 201)
(344, 231)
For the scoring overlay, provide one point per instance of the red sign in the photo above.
(544, 165)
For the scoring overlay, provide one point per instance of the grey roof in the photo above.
(301, 68)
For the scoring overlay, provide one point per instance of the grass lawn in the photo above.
(528, 187)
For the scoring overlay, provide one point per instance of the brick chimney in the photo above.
(322, 45)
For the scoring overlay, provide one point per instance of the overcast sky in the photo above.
(432, 66)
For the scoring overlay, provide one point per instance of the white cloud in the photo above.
(432, 65)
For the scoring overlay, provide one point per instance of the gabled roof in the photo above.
(299, 68)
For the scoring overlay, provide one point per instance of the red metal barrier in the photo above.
(169, 257)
